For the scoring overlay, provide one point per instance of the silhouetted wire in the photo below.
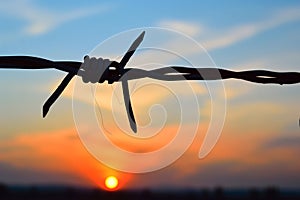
(125, 86)
(116, 72)
(165, 74)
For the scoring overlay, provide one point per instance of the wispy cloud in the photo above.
(40, 20)
(239, 33)
(190, 28)
(232, 35)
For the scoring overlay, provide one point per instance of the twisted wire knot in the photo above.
(94, 68)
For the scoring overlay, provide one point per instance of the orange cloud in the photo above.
(58, 152)
(249, 126)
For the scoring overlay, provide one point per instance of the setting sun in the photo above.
(111, 182)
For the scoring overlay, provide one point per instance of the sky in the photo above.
(259, 138)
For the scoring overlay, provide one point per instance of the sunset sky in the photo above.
(259, 143)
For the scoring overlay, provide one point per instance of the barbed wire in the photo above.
(168, 73)
(93, 69)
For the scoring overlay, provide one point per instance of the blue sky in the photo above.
(238, 35)
(33, 25)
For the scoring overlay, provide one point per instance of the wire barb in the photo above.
(126, 94)
(56, 93)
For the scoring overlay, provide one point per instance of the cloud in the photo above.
(53, 157)
(228, 37)
(40, 20)
(11, 174)
(60, 157)
(236, 174)
(246, 31)
(190, 28)
(283, 142)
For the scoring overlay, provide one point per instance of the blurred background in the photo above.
(260, 140)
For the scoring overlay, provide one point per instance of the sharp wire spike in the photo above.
(131, 50)
(128, 106)
(57, 93)
(126, 94)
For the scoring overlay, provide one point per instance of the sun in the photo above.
(111, 182)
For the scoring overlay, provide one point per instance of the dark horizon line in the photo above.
(177, 189)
